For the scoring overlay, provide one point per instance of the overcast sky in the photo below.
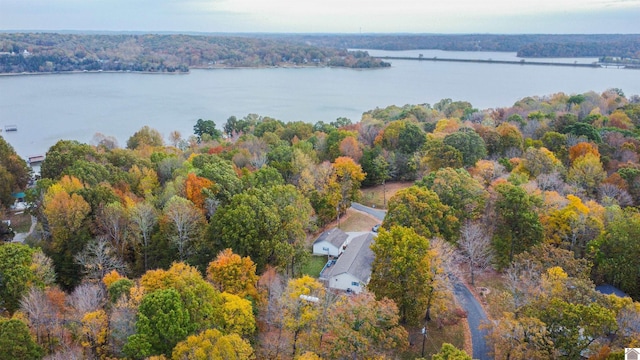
(345, 16)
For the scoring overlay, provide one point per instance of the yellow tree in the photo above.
(587, 172)
(237, 315)
(212, 344)
(573, 226)
(350, 176)
(234, 274)
(95, 330)
(519, 338)
(65, 212)
(300, 309)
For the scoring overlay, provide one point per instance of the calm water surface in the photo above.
(46, 108)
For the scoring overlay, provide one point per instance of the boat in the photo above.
(8, 128)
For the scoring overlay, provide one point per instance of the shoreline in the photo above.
(75, 72)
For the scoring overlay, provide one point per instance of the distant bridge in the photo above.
(511, 62)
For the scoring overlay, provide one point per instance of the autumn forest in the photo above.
(197, 246)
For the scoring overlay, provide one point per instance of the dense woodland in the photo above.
(532, 45)
(49, 52)
(192, 246)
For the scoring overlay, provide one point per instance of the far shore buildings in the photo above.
(351, 270)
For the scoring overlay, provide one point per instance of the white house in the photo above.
(330, 242)
(352, 270)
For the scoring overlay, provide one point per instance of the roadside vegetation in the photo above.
(174, 243)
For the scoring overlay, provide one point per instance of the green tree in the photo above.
(573, 327)
(266, 224)
(145, 137)
(421, 210)
(162, 323)
(469, 143)
(64, 154)
(518, 226)
(16, 274)
(615, 253)
(400, 271)
(207, 127)
(16, 341)
(465, 196)
(14, 173)
(439, 155)
(221, 172)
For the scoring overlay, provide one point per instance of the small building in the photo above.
(352, 270)
(330, 242)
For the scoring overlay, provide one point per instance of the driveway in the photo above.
(475, 316)
(21, 237)
(376, 213)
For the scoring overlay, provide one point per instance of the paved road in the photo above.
(475, 312)
(475, 317)
(378, 214)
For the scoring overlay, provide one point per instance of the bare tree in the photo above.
(610, 193)
(73, 352)
(144, 217)
(187, 223)
(87, 297)
(475, 244)
(122, 324)
(114, 223)
(175, 137)
(98, 259)
(109, 142)
(43, 268)
(522, 283)
(42, 316)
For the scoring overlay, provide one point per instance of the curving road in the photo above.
(376, 213)
(475, 316)
(475, 313)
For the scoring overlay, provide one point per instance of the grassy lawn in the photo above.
(374, 196)
(357, 221)
(493, 303)
(20, 223)
(314, 266)
(453, 334)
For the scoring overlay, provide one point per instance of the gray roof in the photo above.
(335, 236)
(356, 259)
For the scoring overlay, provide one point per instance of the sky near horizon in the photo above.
(325, 16)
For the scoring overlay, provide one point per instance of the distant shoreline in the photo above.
(74, 72)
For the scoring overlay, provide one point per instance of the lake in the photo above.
(46, 108)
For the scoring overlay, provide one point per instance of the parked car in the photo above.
(376, 228)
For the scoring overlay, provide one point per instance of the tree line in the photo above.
(51, 52)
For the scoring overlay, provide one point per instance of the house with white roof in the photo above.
(331, 242)
(352, 270)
